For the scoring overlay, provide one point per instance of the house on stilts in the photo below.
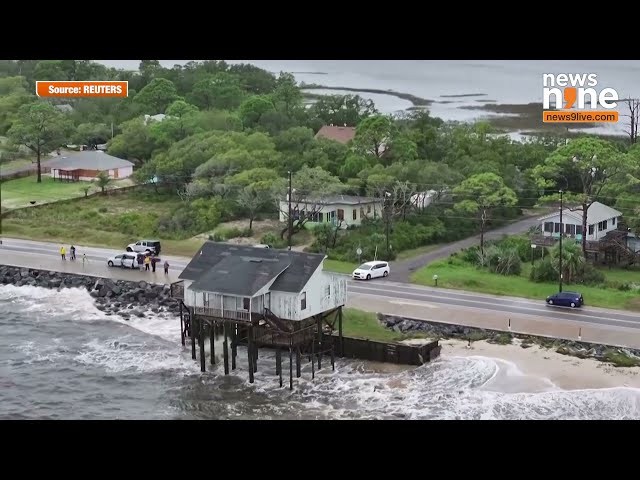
(261, 297)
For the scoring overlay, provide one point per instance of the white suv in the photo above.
(144, 246)
(370, 270)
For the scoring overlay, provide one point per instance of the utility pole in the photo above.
(561, 208)
(289, 217)
(387, 217)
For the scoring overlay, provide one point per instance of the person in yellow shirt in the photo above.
(63, 252)
(147, 262)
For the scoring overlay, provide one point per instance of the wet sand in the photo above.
(541, 369)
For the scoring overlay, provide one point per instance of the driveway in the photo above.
(403, 269)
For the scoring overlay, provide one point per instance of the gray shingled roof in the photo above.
(225, 268)
(89, 160)
(339, 200)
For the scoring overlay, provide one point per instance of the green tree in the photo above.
(13, 94)
(103, 180)
(311, 189)
(589, 161)
(373, 134)
(157, 95)
(221, 91)
(51, 70)
(287, 92)
(347, 110)
(253, 79)
(135, 143)
(40, 127)
(253, 108)
(91, 134)
(252, 198)
(573, 260)
(479, 195)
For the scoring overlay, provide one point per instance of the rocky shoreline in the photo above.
(618, 356)
(124, 298)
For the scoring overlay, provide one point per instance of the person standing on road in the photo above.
(147, 261)
(154, 260)
(166, 267)
(84, 259)
(73, 252)
(63, 252)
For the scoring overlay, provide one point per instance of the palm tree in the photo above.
(572, 259)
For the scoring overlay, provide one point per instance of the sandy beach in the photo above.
(538, 369)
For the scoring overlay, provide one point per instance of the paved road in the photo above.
(94, 254)
(403, 269)
(425, 299)
(429, 298)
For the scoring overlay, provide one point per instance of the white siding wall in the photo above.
(288, 305)
(376, 209)
(571, 220)
(124, 172)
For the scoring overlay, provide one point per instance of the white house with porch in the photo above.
(601, 219)
(345, 210)
(245, 283)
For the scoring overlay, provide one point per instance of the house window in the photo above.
(548, 227)
(570, 229)
(578, 229)
(340, 214)
(613, 221)
(355, 214)
(246, 303)
(602, 225)
(303, 301)
(368, 208)
(327, 290)
(591, 229)
(556, 228)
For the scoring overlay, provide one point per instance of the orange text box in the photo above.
(83, 89)
(579, 117)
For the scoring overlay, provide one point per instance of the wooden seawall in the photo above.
(388, 352)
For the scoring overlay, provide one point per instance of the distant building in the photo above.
(601, 219)
(88, 164)
(154, 118)
(339, 134)
(65, 107)
(345, 210)
(422, 200)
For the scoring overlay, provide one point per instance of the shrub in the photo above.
(273, 240)
(543, 271)
(233, 232)
(591, 276)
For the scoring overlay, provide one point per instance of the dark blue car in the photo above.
(566, 299)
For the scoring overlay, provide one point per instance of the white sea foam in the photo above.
(450, 388)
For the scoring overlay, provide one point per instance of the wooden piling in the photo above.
(340, 337)
(234, 345)
(193, 338)
(333, 359)
(225, 349)
(250, 353)
(279, 365)
(203, 361)
(319, 343)
(298, 361)
(212, 339)
(290, 367)
(182, 339)
(313, 361)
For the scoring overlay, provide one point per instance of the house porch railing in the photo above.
(241, 315)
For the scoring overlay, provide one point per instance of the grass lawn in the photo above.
(18, 163)
(339, 267)
(20, 192)
(356, 323)
(407, 254)
(96, 221)
(467, 277)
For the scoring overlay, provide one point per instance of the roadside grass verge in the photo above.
(467, 277)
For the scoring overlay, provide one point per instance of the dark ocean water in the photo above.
(61, 358)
